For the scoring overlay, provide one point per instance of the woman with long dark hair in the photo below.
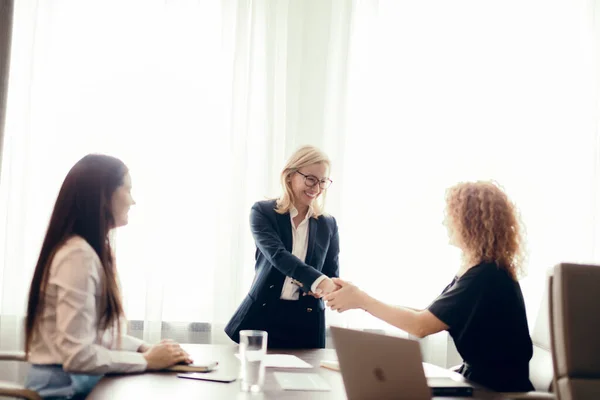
(74, 330)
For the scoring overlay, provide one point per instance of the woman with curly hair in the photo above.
(482, 308)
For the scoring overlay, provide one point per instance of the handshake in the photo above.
(325, 287)
(340, 295)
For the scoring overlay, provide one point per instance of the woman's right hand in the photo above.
(326, 286)
(165, 354)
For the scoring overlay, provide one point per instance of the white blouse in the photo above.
(291, 290)
(67, 331)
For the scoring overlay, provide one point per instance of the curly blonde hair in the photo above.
(487, 225)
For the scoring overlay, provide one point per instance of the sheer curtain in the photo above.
(441, 92)
(205, 100)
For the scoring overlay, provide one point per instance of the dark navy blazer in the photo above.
(274, 261)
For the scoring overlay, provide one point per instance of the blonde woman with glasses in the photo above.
(297, 249)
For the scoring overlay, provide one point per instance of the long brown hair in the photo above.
(82, 208)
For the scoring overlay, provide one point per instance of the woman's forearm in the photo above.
(418, 323)
(401, 317)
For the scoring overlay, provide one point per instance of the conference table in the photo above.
(166, 385)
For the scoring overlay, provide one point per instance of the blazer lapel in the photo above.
(285, 229)
(312, 234)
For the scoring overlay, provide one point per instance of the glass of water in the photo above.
(253, 348)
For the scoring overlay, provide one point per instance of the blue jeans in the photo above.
(52, 383)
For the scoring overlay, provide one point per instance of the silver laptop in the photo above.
(375, 366)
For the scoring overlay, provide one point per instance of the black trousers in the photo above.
(513, 378)
(291, 324)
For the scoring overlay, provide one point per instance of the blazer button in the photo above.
(271, 287)
(309, 310)
(264, 304)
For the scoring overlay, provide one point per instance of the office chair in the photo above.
(575, 331)
(541, 371)
(10, 389)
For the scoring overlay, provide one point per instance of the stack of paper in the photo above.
(301, 381)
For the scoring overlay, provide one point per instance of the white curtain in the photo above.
(441, 92)
(205, 100)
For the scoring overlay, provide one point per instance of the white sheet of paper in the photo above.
(283, 361)
(301, 381)
(433, 371)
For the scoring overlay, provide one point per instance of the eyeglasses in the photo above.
(311, 181)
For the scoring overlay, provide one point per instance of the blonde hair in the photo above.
(303, 157)
(487, 225)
